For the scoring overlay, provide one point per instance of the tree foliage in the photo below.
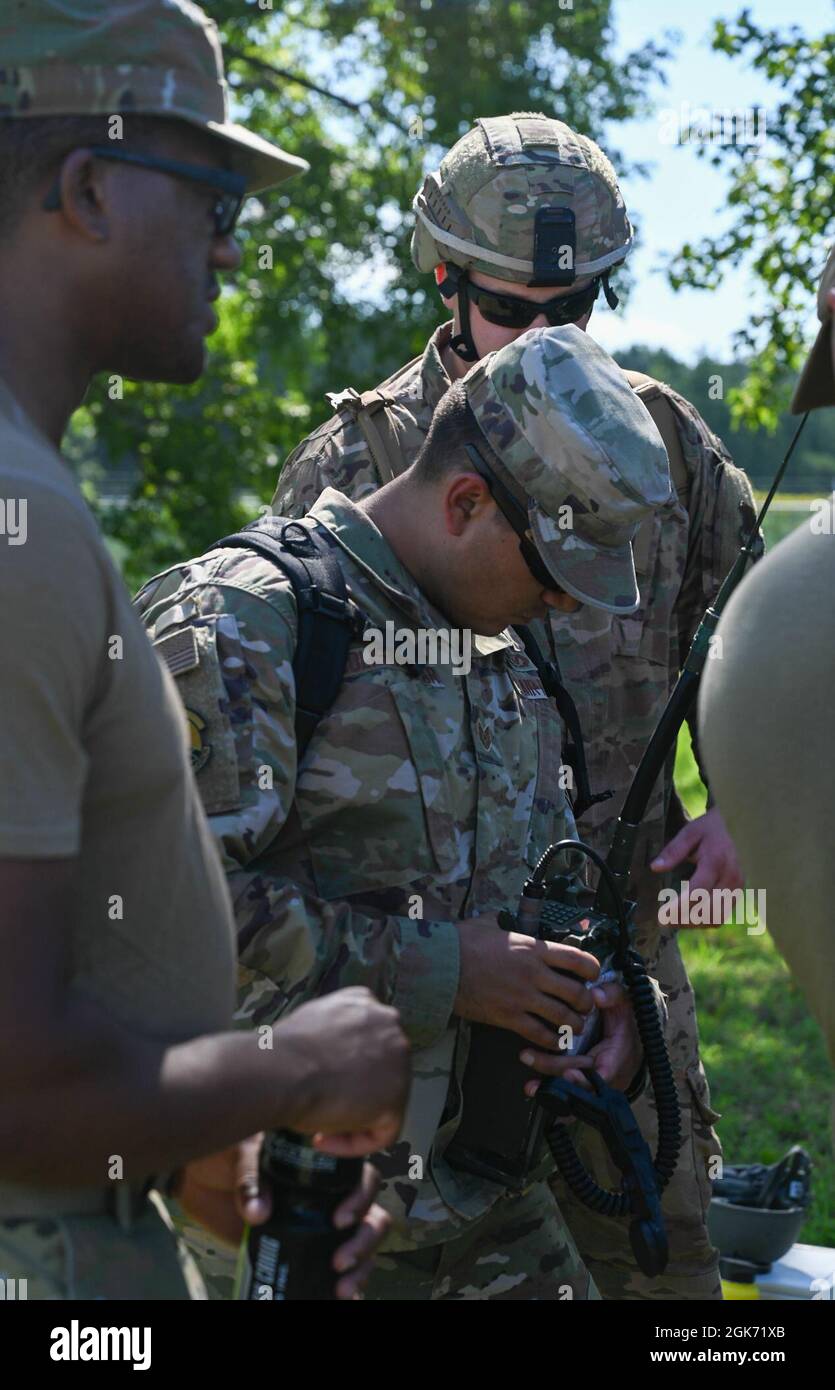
(711, 385)
(783, 210)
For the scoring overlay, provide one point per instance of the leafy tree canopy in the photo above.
(781, 196)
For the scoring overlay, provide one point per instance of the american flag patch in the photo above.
(530, 687)
(179, 651)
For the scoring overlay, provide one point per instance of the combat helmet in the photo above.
(756, 1211)
(526, 199)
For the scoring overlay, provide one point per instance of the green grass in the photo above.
(763, 1053)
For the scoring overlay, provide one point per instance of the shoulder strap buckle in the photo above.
(347, 399)
(381, 442)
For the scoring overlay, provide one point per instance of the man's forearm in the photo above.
(308, 946)
(98, 1092)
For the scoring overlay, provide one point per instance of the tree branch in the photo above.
(271, 71)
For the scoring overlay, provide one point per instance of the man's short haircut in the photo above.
(453, 425)
(32, 147)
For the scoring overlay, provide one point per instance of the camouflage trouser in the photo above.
(217, 1262)
(519, 1250)
(91, 1257)
(693, 1268)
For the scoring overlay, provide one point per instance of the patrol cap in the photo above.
(483, 206)
(149, 57)
(816, 386)
(568, 432)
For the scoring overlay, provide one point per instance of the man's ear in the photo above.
(83, 184)
(466, 497)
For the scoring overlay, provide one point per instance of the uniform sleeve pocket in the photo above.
(371, 796)
(192, 657)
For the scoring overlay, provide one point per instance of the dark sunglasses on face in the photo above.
(509, 311)
(514, 513)
(230, 189)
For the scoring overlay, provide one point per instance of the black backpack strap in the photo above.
(328, 620)
(574, 751)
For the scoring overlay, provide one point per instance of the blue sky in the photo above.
(683, 192)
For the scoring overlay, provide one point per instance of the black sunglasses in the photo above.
(230, 188)
(515, 514)
(509, 311)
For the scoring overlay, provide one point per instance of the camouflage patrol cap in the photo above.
(149, 57)
(478, 209)
(574, 444)
(816, 386)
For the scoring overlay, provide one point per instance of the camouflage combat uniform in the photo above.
(426, 796)
(619, 670)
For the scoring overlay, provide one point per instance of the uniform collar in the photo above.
(435, 379)
(14, 412)
(356, 533)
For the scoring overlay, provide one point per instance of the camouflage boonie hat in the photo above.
(148, 57)
(478, 209)
(574, 444)
(816, 386)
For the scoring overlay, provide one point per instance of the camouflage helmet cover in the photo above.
(576, 446)
(478, 209)
(149, 57)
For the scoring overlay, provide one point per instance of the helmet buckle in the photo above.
(554, 247)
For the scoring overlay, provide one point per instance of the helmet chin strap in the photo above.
(462, 344)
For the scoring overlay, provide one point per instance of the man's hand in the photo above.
(512, 981)
(706, 842)
(351, 1060)
(222, 1193)
(355, 1259)
(616, 1058)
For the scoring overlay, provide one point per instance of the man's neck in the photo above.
(47, 391)
(454, 366)
(395, 511)
(42, 361)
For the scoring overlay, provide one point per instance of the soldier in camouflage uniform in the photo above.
(476, 228)
(427, 793)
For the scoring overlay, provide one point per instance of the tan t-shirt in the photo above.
(94, 761)
(765, 719)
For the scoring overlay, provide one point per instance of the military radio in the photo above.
(505, 1136)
